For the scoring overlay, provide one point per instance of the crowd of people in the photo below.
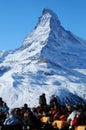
(26, 118)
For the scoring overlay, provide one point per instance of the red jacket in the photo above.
(77, 121)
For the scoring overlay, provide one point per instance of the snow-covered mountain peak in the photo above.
(48, 18)
(48, 13)
(51, 60)
(51, 13)
(47, 23)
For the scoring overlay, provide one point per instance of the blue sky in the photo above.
(19, 17)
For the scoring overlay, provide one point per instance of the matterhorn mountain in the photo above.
(51, 60)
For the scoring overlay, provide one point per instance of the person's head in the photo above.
(17, 111)
(75, 107)
(4, 104)
(69, 107)
(26, 114)
(11, 111)
(43, 94)
(79, 113)
(53, 96)
(25, 106)
(0, 99)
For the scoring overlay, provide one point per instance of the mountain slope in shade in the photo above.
(51, 60)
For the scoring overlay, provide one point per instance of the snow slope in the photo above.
(51, 60)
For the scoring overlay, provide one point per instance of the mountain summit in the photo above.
(51, 60)
(47, 22)
(48, 17)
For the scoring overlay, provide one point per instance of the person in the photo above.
(31, 120)
(79, 119)
(53, 102)
(5, 108)
(68, 109)
(25, 106)
(2, 117)
(14, 121)
(72, 115)
(1, 102)
(42, 100)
